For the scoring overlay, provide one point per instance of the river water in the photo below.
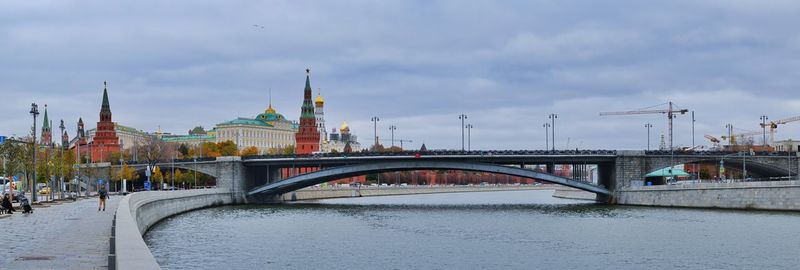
(489, 230)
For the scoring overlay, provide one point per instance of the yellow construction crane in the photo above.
(773, 125)
(732, 138)
(670, 112)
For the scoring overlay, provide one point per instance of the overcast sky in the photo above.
(415, 64)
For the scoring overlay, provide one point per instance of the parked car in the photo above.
(44, 191)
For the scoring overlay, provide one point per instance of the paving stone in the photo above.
(71, 235)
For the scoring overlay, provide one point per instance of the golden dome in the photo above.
(270, 110)
(319, 99)
(344, 127)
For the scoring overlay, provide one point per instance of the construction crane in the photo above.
(732, 138)
(670, 112)
(773, 125)
(713, 140)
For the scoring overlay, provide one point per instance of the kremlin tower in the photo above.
(307, 137)
(105, 140)
(47, 130)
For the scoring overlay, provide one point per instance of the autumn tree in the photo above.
(227, 148)
(250, 151)
(157, 176)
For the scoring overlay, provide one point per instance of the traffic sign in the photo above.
(2, 139)
(146, 185)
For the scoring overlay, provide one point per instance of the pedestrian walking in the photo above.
(103, 196)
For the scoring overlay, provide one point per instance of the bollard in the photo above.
(111, 246)
(112, 262)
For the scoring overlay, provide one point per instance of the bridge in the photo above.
(263, 178)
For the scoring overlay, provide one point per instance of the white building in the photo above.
(267, 130)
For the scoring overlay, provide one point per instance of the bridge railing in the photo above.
(441, 153)
(713, 153)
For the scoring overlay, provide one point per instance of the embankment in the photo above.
(777, 195)
(138, 211)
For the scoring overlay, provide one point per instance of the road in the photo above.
(71, 235)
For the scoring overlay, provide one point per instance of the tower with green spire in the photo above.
(105, 141)
(307, 136)
(47, 130)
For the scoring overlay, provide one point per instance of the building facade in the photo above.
(268, 130)
(128, 137)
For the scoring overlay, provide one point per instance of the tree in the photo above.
(184, 150)
(288, 150)
(227, 148)
(154, 150)
(157, 176)
(209, 149)
(394, 149)
(250, 151)
(376, 148)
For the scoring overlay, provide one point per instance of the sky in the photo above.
(416, 65)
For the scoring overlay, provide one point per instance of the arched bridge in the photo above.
(610, 170)
(317, 177)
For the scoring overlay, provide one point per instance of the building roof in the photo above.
(246, 121)
(665, 172)
(105, 106)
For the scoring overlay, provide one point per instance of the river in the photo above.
(487, 230)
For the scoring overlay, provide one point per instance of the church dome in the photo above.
(344, 128)
(319, 100)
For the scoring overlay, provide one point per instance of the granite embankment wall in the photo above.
(777, 195)
(574, 194)
(138, 211)
(347, 192)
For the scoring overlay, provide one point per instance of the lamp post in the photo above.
(61, 159)
(34, 112)
(462, 117)
(375, 120)
(648, 126)
(730, 136)
(692, 130)
(546, 136)
(469, 137)
(553, 117)
(392, 128)
(764, 119)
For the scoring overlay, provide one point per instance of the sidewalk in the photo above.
(71, 235)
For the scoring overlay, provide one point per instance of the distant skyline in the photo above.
(417, 65)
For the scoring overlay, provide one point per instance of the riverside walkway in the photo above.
(70, 235)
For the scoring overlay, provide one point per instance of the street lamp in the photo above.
(35, 112)
(764, 119)
(64, 145)
(648, 126)
(462, 117)
(375, 120)
(546, 136)
(392, 128)
(730, 136)
(553, 117)
(469, 137)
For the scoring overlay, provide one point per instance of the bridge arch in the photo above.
(754, 165)
(335, 173)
